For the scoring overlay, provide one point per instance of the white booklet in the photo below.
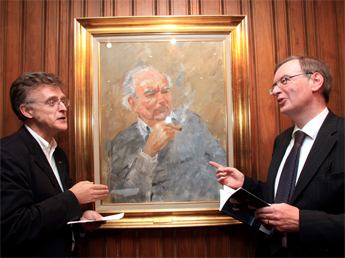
(111, 217)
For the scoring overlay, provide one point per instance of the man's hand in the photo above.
(91, 215)
(87, 192)
(230, 177)
(281, 216)
(161, 134)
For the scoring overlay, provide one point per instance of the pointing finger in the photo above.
(215, 164)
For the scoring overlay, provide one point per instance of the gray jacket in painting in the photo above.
(180, 173)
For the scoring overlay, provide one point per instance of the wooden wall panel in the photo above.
(34, 37)
(144, 7)
(108, 8)
(311, 32)
(178, 7)
(211, 7)
(202, 248)
(194, 7)
(11, 58)
(163, 7)
(128, 243)
(339, 70)
(123, 8)
(232, 7)
(149, 243)
(93, 8)
(51, 34)
(185, 242)
(39, 35)
(264, 64)
(168, 242)
(296, 28)
(328, 43)
(282, 48)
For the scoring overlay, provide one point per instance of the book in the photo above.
(241, 210)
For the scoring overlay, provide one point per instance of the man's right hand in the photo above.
(230, 177)
(159, 137)
(87, 192)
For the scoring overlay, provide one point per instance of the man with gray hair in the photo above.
(151, 161)
(38, 197)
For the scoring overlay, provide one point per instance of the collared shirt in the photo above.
(311, 129)
(145, 128)
(48, 150)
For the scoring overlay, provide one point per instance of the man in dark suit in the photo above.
(311, 221)
(37, 194)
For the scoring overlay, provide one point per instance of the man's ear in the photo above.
(133, 104)
(317, 80)
(26, 111)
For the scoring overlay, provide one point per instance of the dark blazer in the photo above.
(34, 210)
(319, 192)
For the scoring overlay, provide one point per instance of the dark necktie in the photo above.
(287, 179)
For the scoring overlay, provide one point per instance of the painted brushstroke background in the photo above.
(196, 70)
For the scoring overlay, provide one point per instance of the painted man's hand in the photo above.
(159, 137)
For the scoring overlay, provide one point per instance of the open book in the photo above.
(241, 211)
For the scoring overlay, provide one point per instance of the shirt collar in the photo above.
(48, 148)
(145, 128)
(313, 126)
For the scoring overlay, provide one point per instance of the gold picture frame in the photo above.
(89, 32)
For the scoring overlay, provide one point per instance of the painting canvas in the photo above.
(187, 84)
(199, 66)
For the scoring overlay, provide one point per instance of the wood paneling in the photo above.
(39, 35)
(264, 52)
(144, 7)
(12, 60)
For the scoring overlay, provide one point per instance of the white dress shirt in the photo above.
(48, 150)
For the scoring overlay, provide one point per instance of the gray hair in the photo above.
(27, 82)
(128, 85)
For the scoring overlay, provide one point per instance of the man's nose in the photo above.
(160, 97)
(276, 90)
(62, 106)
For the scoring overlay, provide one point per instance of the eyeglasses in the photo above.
(56, 103)
(284, 81)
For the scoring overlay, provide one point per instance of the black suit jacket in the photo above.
(34, 210)
(319, 192)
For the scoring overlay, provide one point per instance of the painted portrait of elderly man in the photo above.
(162, 152)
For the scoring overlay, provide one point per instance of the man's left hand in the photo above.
(92, 215)
(281, 216)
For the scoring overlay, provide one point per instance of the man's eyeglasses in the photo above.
(284, 81)
(55, 103)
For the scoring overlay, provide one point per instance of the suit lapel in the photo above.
(39, 157)
(61, 167)
(323, 144)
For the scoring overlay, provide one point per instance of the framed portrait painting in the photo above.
(157, 99)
